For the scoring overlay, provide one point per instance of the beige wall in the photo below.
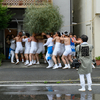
(82, 15)
(97, 35)
(65, 10)
(87, 12)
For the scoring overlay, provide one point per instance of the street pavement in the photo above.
(39, 73)
(48, 92)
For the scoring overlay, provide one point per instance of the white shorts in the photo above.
(33, 48)
(27, 50)
(57, 49)
(62, 49)
(72, 54)
(19, 50)
(56, 52)
(41, 48)
(19, 47)
(67, 50)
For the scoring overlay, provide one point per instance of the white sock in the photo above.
(30, 62)
(22, 60)
(55, 64)
(66, 65)
(59, 64)
(34, 61)
(27, 61)
(17, 60)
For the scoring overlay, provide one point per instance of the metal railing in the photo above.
(23, 2)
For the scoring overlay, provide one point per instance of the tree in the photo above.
(5, 16)
(45, 18)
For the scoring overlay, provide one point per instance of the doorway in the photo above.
(8, 33)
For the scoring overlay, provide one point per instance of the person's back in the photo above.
(67, 41)
(19, 47)
(58, 39)
(18, 39)
(84, 51)
(85, 57)
(33, 38)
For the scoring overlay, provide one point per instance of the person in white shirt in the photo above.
(12, 49)
(49, 44)
(27, 47)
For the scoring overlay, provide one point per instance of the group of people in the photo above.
(58, 45)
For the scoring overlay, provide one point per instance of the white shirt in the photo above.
(84, 43)
(49, 42)
(27, 44)
(12, 46)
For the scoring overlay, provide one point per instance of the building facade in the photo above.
(87, 16)
(18, 7)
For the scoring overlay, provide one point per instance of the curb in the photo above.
(94, 80)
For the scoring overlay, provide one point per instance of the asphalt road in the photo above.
(40, 73)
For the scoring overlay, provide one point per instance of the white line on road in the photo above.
(16, 85)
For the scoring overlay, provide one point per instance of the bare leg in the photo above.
(37, 57)
(22, 57)
(27, 59)
(69, 57)
(44, 58)
(26, 56)
(67, 60)
(63, 59)
(16, 55)
(30, 57)
(59, 63)
(34, 58)
(54, 59)
(58, 58)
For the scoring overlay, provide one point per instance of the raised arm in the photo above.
(47, 43)
(24, 40)
(30, 39)
(76, 41)
(53, 39)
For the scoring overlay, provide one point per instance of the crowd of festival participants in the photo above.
(60, 48)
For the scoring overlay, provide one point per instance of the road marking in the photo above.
(16, 85)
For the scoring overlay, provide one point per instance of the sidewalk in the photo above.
(11, 73)
(7, 64)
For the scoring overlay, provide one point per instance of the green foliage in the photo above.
(58, 82)
(28, 82)
(42, 19)
(45, 82)
(2, 56)
(98, 58)
(5, 16)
